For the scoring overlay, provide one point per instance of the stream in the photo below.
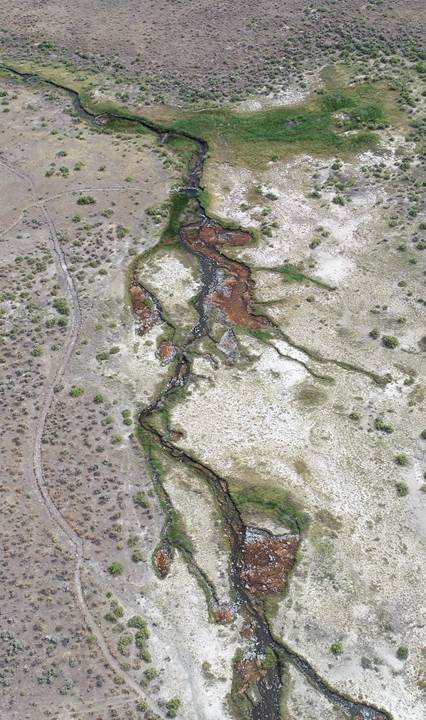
(204, 239)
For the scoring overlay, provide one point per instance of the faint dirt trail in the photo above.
(73, 191)
(270, 685)
(59, 520)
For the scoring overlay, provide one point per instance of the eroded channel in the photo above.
(260, 562)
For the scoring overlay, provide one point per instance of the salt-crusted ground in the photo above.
(309, 425)
(314, 406)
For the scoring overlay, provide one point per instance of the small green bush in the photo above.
(136, 621)
(401, 459)
(115, 568)
(124, 641)
(150, 673)
(401, 489)
(122, 232)
(98, 398)
(137, 556)
(61, 305)
(173, 706)
(141, 500)
(383, 426)
(270, 660)
(141, 636)
(402, 652)
(390, 341)
(76, 391)
(336, 647)
(86, 200)
(115, 612)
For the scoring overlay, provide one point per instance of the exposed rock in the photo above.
(224, 614)
(232, 294)
(229, 346)
(166, 351)
(162, 560)
(144, 309)
(250, 672)
(266, 561)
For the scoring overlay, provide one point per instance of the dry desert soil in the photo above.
(212, 361)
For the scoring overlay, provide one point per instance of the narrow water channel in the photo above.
(204, 238)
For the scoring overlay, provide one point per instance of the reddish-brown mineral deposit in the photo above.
(266, 561)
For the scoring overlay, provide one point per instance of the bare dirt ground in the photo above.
(347, 271)
(213, 442)
(196, 51)
(54, 648)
